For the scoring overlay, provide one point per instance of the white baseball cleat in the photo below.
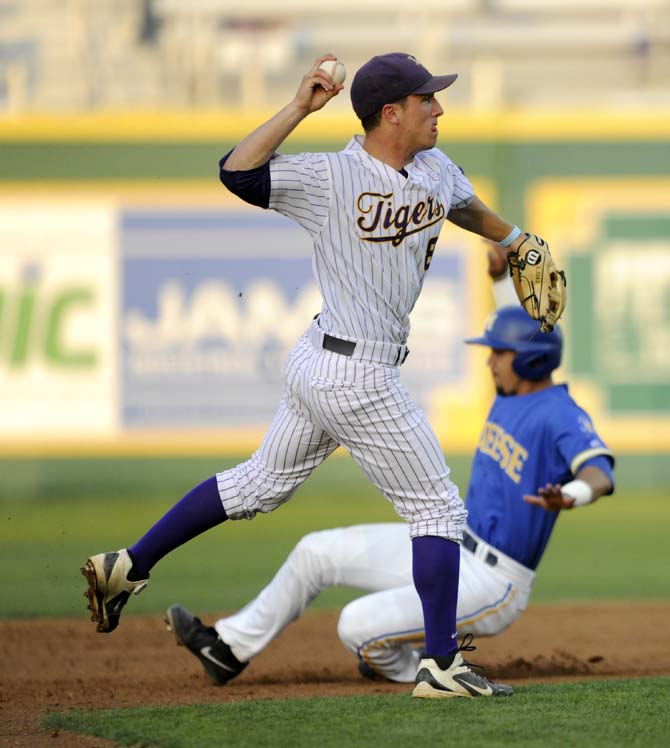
(109, 587)
(458, 679)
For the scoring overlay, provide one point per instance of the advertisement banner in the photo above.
(213, 301)
(136, 318)
(57, 319)
(614, 240)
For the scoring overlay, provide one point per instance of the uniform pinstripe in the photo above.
(374, 231)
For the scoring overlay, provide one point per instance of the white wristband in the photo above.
(504, 293)
(516, 231)
(580, 491)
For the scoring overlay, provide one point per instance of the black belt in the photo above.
(337, 345)
(471, 544)
(347, 347)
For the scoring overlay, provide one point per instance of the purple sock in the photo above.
(199, 510)
(435, 567)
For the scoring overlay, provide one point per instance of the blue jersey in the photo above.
(528, 441)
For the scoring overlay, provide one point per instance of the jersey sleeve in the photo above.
(252, 186)
(301, 189)
(456, 184)
(463, 189)
(604, 463)
(577, 440)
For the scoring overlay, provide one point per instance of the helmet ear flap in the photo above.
(531, 366)
(510, 328)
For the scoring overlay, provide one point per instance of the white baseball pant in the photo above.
(356, 401)
(383, 628)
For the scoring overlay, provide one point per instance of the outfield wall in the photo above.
(143, 309)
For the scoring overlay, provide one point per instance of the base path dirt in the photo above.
(55, 665)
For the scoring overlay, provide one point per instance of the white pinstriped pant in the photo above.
(331, 399)
(382, 628)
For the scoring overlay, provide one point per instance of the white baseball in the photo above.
(335, 70)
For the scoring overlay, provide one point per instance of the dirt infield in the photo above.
(55, 665)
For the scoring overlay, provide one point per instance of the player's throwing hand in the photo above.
(317, 87)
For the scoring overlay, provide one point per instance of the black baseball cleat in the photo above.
(215, 655)
(367, 672)
(457, 679)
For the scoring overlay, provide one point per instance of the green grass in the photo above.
(44, 541)
(56, 512)
(596, 713)
(61, 512)
(613, 549)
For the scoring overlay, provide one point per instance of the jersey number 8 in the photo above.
(430, 251)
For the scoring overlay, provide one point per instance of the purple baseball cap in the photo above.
(388, 78)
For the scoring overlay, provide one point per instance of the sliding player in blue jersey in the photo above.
(538, 454)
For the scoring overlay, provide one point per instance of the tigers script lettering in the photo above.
(378, 213)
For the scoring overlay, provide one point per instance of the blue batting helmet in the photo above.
(511, 328)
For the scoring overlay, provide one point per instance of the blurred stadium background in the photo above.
(145, 312)
(85, 55)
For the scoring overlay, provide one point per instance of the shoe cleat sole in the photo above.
(92, 595)
(168, 626)
(426, 691)
(173, 629)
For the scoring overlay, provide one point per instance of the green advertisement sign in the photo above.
(620, 315)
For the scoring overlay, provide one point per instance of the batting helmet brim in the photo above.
(500, 344)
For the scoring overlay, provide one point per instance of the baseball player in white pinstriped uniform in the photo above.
(374, 212)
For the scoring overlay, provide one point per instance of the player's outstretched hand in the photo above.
(317, 87)
(550, 498)
(497, 259)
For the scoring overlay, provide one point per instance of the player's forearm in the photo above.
(258, 146)
(480, 219)
(504, 292)
(599, 483)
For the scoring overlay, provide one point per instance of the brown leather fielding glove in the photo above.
(540, 286)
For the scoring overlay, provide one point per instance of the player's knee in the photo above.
(309, 546)
(257, 487)
(349, 627)
(491, 626)
(309, 558)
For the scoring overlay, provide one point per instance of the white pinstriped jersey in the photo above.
(374, 231)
